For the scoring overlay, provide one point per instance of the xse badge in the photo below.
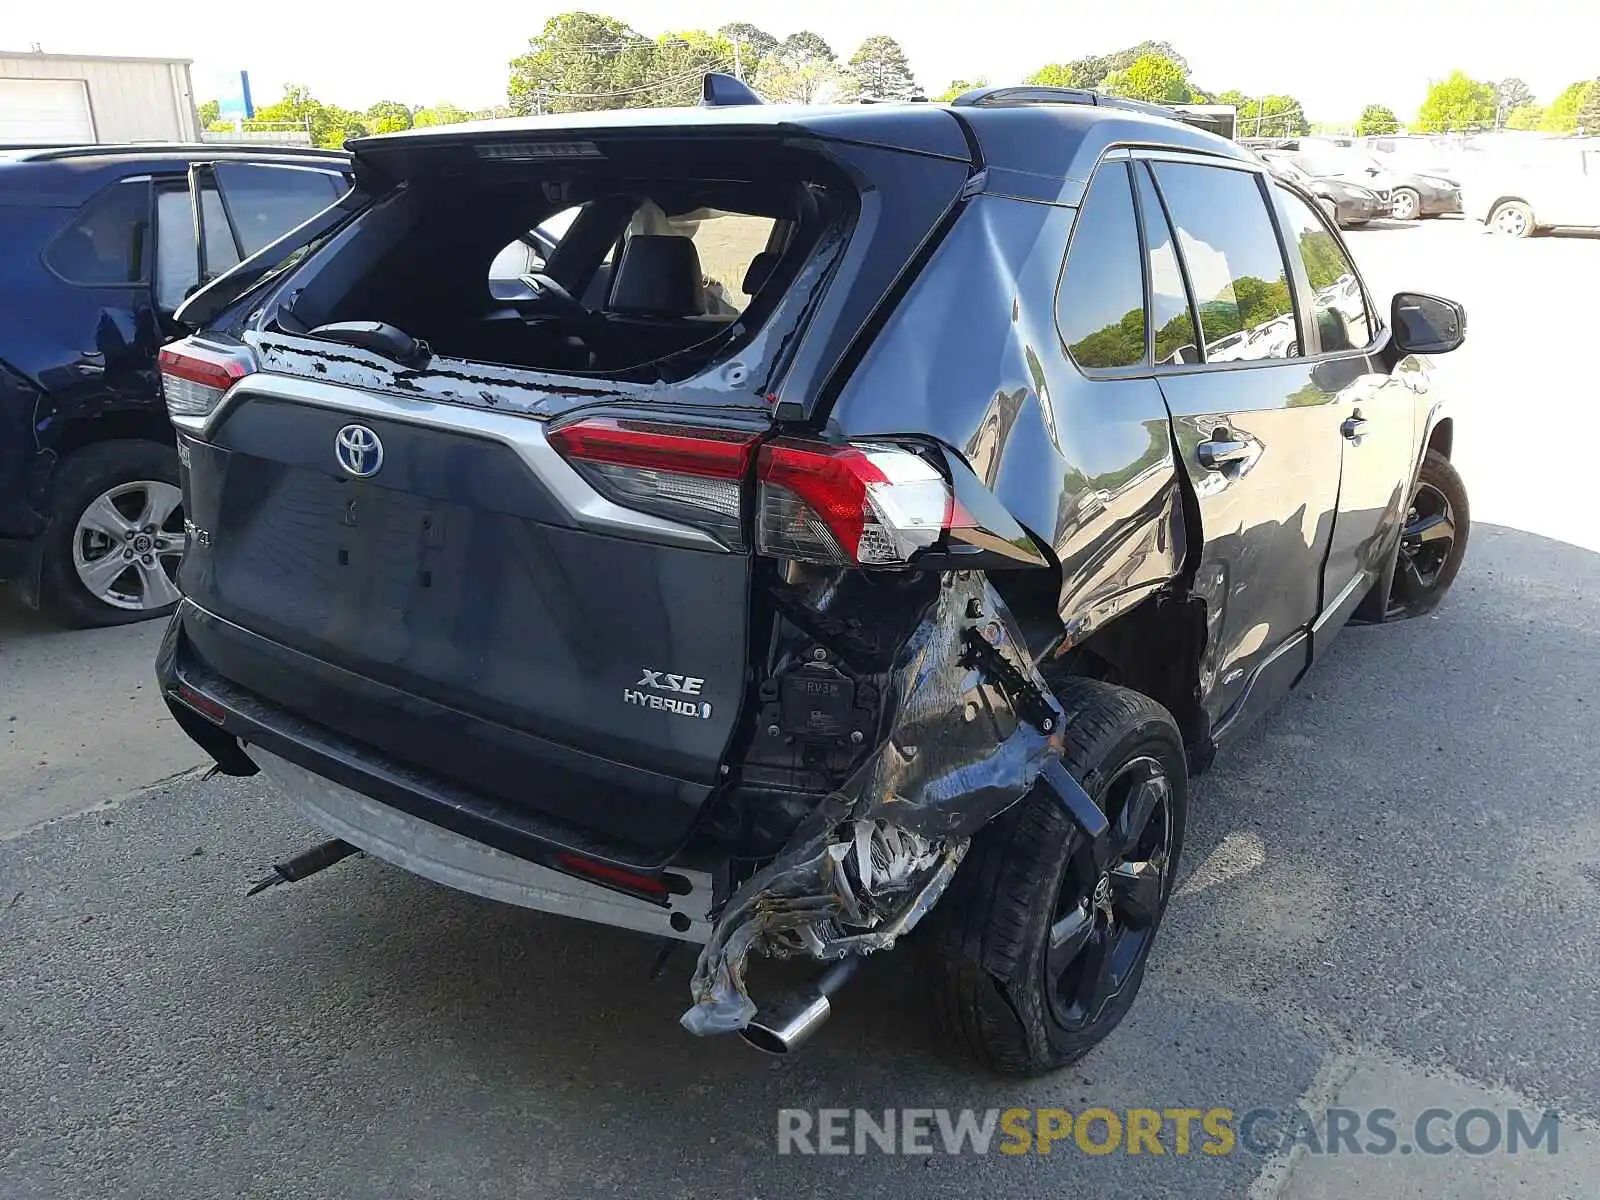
(658, 682)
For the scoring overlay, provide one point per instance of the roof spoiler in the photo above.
(725, 91)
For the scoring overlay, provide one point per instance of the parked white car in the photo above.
(1555, 183)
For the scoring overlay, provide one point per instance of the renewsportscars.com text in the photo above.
(1177, 1131)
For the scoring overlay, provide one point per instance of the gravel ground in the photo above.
(1389, 902)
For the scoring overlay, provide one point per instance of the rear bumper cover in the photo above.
(435, 853)
(422, 823)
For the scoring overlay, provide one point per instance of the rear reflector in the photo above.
(687, 474)
(869, 505)
(201, 703)
(194, 378)
(617, 877)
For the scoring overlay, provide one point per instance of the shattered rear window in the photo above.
(591, 269)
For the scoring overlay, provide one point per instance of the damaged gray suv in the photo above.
(835, 525)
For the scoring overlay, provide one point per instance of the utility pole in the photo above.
(738, 65)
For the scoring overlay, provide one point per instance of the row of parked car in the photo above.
(1355, 187)
(1516, 187)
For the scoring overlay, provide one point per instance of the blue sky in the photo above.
(1335, 55)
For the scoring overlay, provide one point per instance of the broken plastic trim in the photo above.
(874, 856)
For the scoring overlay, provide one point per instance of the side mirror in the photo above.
(1425, 324)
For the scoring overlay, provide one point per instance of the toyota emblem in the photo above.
(358, 450)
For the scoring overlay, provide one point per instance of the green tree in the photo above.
(328, 124)
(802, 70)
(1267, 116)
(440, 114)
(388, 116)
(960, 85)
(681, 63)
(1589, 108)
(1152, 77)
(805, 47)
(1375, 118)
(1510, 94)
(580, 62)
(881, 69)
(1562, 114)
(755, 44)
(1526, 116)
(1092, 70)
(208, 111)
(1456, 105)
(1059, 75)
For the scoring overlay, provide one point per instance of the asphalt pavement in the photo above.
(1389, 903)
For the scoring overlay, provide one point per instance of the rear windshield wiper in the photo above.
(379, 337)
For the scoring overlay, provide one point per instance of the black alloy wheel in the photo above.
(1106, 915)
(1432, 542)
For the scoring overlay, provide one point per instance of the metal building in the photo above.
(48, 99)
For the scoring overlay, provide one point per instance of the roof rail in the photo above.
(1014, 96)
(106, 149)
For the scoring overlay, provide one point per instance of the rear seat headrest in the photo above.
(658, 275)
(759, 271)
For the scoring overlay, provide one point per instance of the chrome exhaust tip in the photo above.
(788, 1024)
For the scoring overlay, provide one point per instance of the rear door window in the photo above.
(1338, 305)
(1170, 311)
(108, 242)
(1235, 266)
(1100, 311)
(266, 201)
(177, 265)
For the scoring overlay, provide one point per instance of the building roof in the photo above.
(39, 55)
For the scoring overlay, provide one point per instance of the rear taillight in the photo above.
(870, 505)
(863, 504)
(682, 473)
(194, 378)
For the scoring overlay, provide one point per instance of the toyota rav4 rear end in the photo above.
(558, 586)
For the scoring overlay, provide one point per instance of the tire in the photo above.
(94, 489)
(1512, 218)
(1430, 552)
(996, 990)
(1405, 205)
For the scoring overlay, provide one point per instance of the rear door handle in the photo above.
(1218, 453)
(1354, 427)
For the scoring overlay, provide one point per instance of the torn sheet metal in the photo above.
(971, 727)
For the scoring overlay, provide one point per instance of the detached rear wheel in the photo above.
(1037, 951)
(1433, 541)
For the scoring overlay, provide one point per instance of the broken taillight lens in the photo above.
(690, 474)
(194, 378)
(866, 504)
